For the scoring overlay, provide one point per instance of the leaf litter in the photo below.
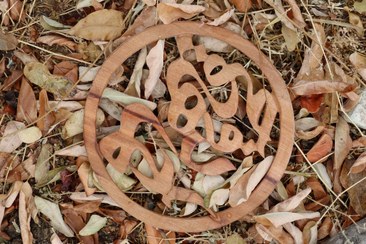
(323, 65)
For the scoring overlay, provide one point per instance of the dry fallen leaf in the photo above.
(281, 218)
(155, 62)
(169, 12)
(27, 104)
(321, 149)
(57, 40)
(94, 224)
(10, 139)
(359, 61)
(38, 74)
(241, 191)
(359, 165)
(102, 25)
(74, 124)
(342, 143)
(356, 21)
(360, 6)
(7, 41)
(156, 236)
(30, 135)
(52, 211)
(291, 38)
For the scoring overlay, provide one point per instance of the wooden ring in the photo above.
(269, 181)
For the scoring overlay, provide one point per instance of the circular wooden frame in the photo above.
(266, 186)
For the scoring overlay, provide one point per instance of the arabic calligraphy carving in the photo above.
(192, 104)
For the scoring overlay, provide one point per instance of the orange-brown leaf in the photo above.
(27, 103)
(242, 5)
(57, 40)
(321, 149)
(343, 143)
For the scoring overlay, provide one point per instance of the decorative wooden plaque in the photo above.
(190, 82)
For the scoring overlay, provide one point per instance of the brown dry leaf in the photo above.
(359, 61)
(155, 62)
(291, 203)
(307, 87)
(27, 210)
(43, 165)
(155, 236)
(359, 165)
(16, 9)
(169, 12)
(222, 19)
(356, 193)
(67, 69)
(84, 172)
(10, 139)
(296, 13)
(342, 144)
(321, 149)
(311, 68)
(74, 151)
(325, 228)
(77, 222)
(270, 232)
(147, 18)
(242, 5)
(57, 40)
(7, 41)
(38, 74)
(312, 103)
(27, 103)
(246, 184)
(102, 25)
(310, 234)
(280, 218)
(291, 38)
(46, 117)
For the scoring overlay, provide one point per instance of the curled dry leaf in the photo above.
(306, 87)
(50, 24)
(84, 172)
(27, 211)
(359, 165)
(94, 224)
(155, 62)
(219, 198)
(321, 149)
(88, 3)
(27, 103)
(87, 74)
(291, 203)
(81, 196)
(125, 99)
(30, 135)
(359, 61)
(134, 86)
(7, 41)
(278, 219)
(10, 139)
(52, 211)
(105, 25)
(222, 19)
(247, 183)
(57, 40)
(74, 124)
(38, 74)
(342, 144)
(46, 117)
(42, 165)
(169, 12)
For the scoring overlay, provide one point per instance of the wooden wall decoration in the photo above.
(263, 107)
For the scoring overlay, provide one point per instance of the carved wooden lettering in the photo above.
(193, 112)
